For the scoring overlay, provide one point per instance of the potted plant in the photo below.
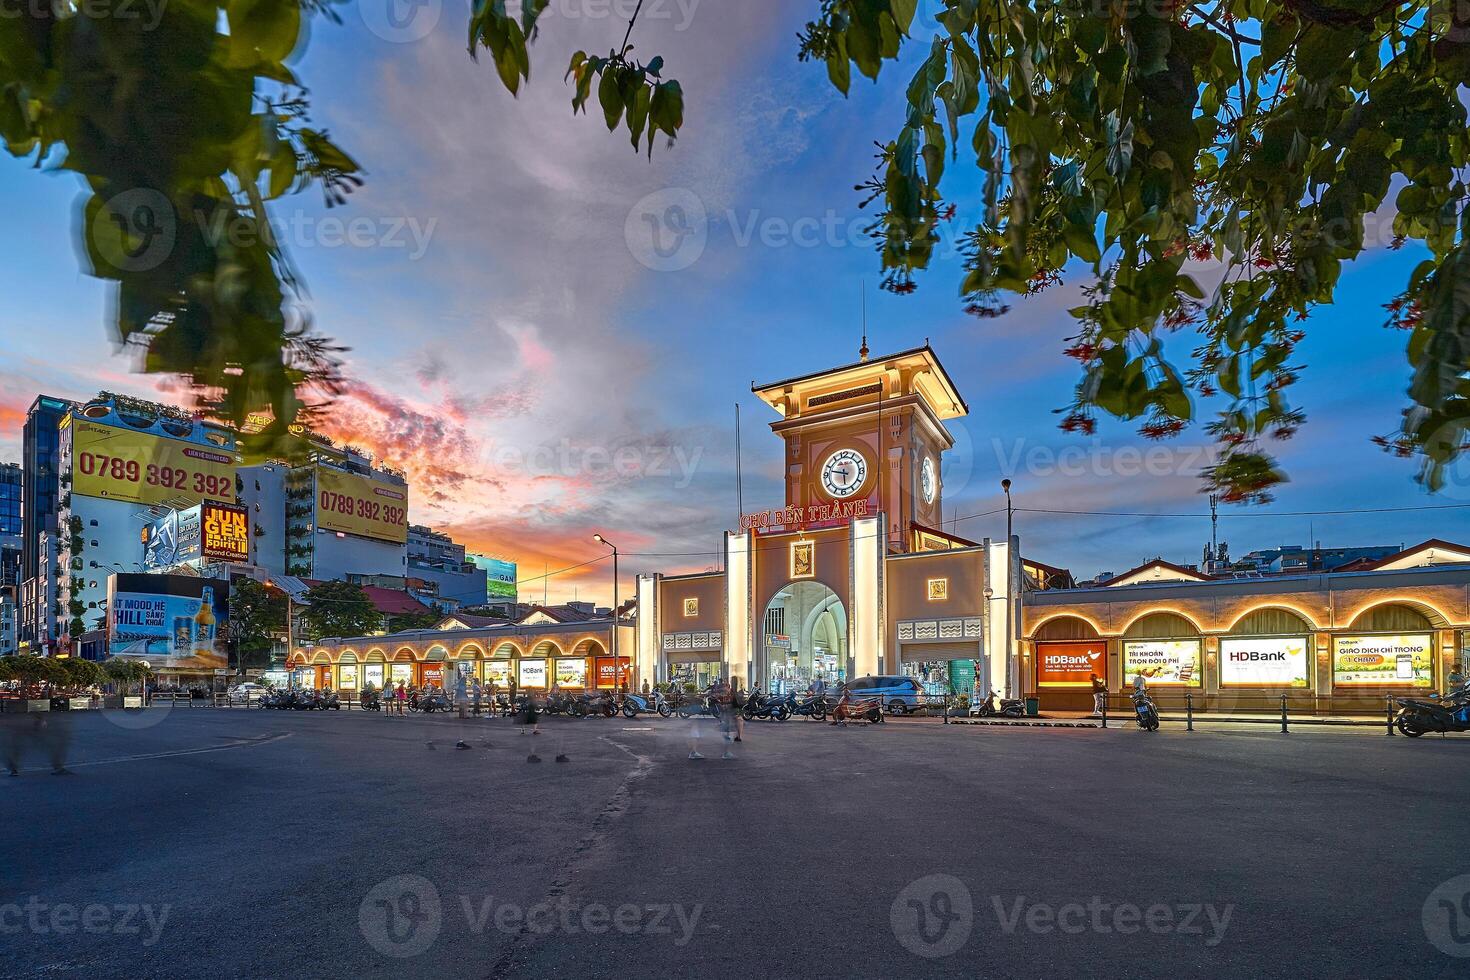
(32, 676)
(125, 673)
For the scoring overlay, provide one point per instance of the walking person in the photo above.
(475, 693)
(1099, 695)
(494, 705)
(400, 697)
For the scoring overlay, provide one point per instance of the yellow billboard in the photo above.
(353, 504)
(117, 464)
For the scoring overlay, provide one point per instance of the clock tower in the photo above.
(870, 434)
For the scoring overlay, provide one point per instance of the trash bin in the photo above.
(1033, 707)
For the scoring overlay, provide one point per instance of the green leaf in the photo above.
(610, 98)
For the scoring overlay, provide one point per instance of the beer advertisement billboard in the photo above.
(352, 504)
(174, 622)
(138, 468)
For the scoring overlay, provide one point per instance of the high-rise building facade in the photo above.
(11, 477)
(40, 501)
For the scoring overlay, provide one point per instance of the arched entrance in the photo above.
(804, 637)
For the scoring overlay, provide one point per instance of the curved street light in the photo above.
(617, 663)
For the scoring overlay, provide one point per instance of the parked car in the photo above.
(900, 694)
(247, 693)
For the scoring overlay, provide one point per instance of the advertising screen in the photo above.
(533, 673)
(175, 622)
(1071, 664)
(571, 673)
(1384, 661)
(118, 464)
(354, 504)
(224, 532)
(498, 672)
(1166, 663)
(612, 673)
(1264, 662)
(500, 577)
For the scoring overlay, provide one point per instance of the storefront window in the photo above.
(347, 677)
(1164, 663)
(1397, 660)
(401, 674)
(940, 677)
(533, 673)
(373, 674)
(701, 675)
(571, 673)
(434, 675)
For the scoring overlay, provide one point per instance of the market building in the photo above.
(1331, 642)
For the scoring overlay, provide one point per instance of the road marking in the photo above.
(262, 740)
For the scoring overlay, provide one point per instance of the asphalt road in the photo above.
(231, 843)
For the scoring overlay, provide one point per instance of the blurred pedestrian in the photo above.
(1099, 695)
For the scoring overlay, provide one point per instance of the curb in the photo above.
(1026, 724)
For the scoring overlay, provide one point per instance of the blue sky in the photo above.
(512, 346)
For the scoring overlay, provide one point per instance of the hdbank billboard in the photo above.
(139, 468)
(174, 622)
(353, 504)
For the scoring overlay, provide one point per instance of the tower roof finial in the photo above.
(863, 350)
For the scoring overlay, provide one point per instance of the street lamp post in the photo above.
(617, 663)
(1013, 598)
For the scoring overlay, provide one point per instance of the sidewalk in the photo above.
(1083, 719)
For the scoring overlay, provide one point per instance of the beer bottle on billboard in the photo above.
(204, 623)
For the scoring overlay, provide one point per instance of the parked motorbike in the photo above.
(600, 705)
(328, 701)
(813, 706)
(994, 706)
(371, 699)
(1148, 714)
(1420, 716)
(429, 702)
(767, 707)
(560, 702)
(636, 704)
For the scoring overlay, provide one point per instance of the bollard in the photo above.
(1390, 714)
(1188, 712)
(1105, 711)
(1284, 729)
(946, 711)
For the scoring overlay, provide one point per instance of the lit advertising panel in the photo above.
(497, 673)
(175, 622)
(571, 673)
(1264, 662)
(533, 673)
(1165, 663)
(1071, 664)
(613, 673)
(353, 504)
(500, 577)
(118, 464)
(224, 532)
(1384, 661)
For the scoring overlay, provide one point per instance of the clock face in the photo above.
(844, 473)
(928, 480)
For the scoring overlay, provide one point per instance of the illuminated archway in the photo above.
(804, 637)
